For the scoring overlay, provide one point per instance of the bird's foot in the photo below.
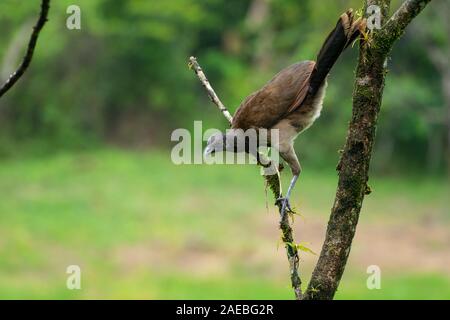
(284, 205)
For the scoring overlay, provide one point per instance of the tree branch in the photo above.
(273, 181)
(193, 64)
(396, 25)
(354, 164)
(45, 6)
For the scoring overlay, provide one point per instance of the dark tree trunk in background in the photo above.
(258, 22)
(439, 55)
(446, 90)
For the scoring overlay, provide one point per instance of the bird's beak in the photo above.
(208, 151)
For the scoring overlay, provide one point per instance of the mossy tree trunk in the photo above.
(26, 61)
(354, 164)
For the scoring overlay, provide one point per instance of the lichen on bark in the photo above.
(353, 167)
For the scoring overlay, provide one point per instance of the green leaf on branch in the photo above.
(302, 246)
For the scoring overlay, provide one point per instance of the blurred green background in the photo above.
(86, 176)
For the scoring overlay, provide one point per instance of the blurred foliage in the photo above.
(123, 77)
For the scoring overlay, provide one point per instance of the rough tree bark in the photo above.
(12, 80)
(438, 54)
(353, 166)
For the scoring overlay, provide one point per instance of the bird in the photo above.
(289, 103)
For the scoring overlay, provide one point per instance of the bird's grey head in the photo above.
(216, 143)
(232, 141)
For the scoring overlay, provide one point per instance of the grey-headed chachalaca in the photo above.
(290, 102)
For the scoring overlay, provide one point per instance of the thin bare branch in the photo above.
(45, 6)
(273, 182)
(211, 93)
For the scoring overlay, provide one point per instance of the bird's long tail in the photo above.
(346, 31)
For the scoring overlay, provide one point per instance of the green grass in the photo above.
(141, 227)
(401, 286)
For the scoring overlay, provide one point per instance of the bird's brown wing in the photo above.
(265, 107)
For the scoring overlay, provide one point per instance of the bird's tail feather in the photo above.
(346, 31)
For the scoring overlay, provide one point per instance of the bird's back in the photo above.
(299, 84)
(265, 107)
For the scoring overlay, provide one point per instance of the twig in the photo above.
(45, 6)
(273, 181)
(211, 93)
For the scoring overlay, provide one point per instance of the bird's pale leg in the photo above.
(286, 204)
(291, 158)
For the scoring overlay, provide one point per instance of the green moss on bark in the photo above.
(354, 164)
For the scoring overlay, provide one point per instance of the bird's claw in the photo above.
(284, 205)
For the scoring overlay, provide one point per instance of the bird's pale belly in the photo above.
(301, 119)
